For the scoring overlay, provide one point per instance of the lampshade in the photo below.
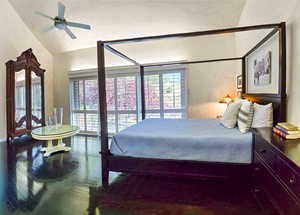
(227, 99)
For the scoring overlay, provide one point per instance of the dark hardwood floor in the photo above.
(70, 183)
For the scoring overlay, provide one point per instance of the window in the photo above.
(121, 98)
(84, 105)
(164, 94)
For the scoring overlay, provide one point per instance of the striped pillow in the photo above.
(245, 116)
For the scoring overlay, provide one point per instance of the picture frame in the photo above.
(239, 82)
(262, 68)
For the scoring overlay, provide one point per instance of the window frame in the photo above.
(85, 111)
(118, 112)
(183, 89)
(91, 74)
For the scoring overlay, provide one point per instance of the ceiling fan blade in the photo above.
(69, 32)
(61, 10)
(48, 29)
(78, 25)
(44, 15)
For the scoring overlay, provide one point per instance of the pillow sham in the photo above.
(245, 116)
(229, 118)
(263, 116)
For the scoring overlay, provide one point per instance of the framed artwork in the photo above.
(239, 82)
(262, 68)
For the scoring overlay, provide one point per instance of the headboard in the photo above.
(278, 102)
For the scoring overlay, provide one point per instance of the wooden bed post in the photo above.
(243, 75)
(142, 71)
(103, 113)
(282, 68)
(282, 53)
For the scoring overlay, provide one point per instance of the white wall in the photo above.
(63, 63)
(293, 87)
(275, 11)
(262, 12)
(207, 83)
(15, 38)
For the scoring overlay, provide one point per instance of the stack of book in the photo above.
(287, 130)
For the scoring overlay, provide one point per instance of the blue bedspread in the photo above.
(184, 139)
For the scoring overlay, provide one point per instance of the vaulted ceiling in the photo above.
(115, 19)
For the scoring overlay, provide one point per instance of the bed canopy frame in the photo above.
(117, 163)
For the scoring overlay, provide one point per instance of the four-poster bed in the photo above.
(141, 165)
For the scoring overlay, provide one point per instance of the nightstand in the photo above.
(276, 171)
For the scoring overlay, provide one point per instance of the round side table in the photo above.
(55, 132)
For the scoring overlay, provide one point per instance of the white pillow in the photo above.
(263, 116)
(245, 116)
(229, 118)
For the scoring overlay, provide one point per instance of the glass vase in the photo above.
(58, 116)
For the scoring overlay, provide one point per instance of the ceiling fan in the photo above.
(61, 23)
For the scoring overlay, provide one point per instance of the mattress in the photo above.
(183, 139)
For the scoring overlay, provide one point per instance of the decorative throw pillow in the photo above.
(263, 116)
(229, 118)
(245, 116)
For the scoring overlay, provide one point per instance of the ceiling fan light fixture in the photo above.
(61, 23)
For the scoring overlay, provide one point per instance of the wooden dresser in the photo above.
(276, 172)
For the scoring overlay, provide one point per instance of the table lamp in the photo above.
(226, 99)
